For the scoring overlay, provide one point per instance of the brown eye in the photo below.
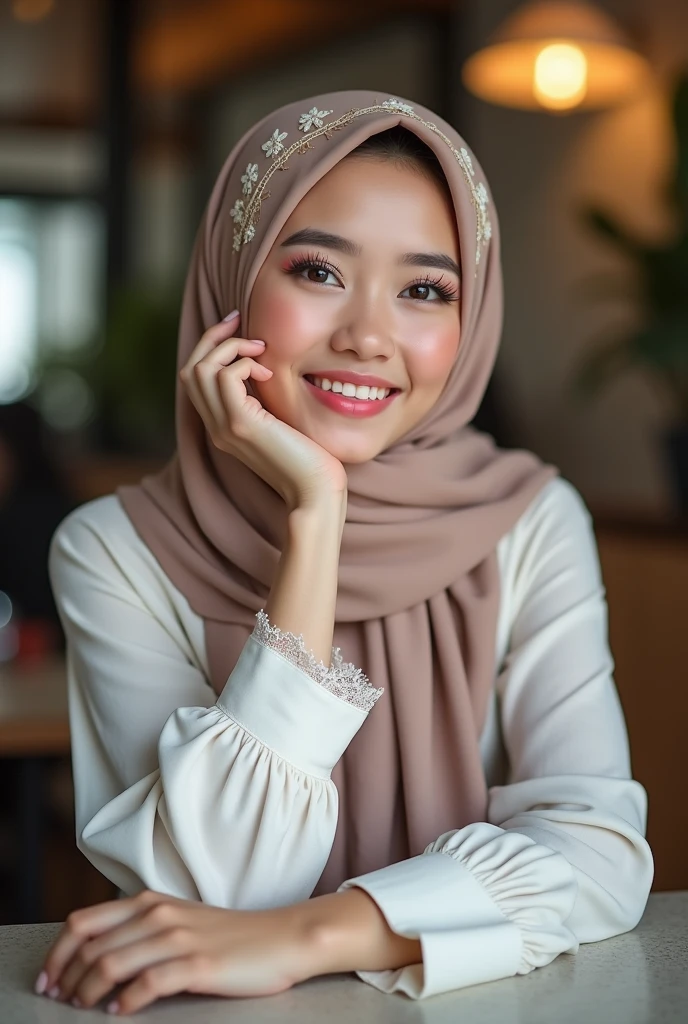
(421, 291)
(318, 274)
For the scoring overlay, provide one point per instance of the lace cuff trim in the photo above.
(342, 679)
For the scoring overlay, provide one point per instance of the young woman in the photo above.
(452, 805)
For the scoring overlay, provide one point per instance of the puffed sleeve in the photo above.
(562, 858)
(225, 800)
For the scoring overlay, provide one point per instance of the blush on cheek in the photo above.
(433, 353)
(286, 323)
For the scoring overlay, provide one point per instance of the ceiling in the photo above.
(52, 67)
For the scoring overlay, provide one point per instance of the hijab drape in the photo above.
(418, 589)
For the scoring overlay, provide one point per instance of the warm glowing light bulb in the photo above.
(31, 10)
(560, 77)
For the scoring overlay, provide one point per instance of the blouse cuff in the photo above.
(465, 939)
(342, 678)
(303, 712)
(485, 903)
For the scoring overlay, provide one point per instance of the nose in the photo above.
(365, 330)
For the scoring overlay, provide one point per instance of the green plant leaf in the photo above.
(138, 360)
(665, 273)
(603, 224)
(663, 344)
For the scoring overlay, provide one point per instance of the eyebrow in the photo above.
(313, 236)
(439, 260)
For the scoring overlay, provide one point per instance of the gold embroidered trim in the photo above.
(246, 213)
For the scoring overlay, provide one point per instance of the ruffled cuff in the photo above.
(534, 886)
(305, 713)
(484, 903)
(342, 678)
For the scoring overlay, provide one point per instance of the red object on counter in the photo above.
(37, 639)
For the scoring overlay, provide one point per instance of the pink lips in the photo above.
(350, 406)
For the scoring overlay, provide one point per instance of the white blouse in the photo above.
(229, 799)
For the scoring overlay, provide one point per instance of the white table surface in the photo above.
(637, 978)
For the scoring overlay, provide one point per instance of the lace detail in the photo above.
(342, 679)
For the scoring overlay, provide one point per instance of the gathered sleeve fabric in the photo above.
(561, 858)
(225, 800)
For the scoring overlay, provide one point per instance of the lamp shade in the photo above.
(556, 56)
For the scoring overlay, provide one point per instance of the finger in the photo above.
(232, 387)
(201, 377)
(214, 336)
(225, 354)
(81, 925)
(224, 389)
(154, 917)
(164, 979)
(217, 333)
(127, 962)
(134, 930)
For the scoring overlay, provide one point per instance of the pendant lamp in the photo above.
(556, 56)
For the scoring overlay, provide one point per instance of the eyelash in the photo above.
(307, 262)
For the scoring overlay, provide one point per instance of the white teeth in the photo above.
(350, 390)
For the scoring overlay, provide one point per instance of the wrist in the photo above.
(303, 596)
(347, 931)
(315, 506)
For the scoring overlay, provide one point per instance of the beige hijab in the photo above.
(419, 587)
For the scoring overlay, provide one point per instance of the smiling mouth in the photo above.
(391, 391)
(349, 406)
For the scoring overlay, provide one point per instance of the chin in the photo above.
(349, 455)
(347, 452)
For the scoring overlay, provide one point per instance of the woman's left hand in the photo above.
(162, 945)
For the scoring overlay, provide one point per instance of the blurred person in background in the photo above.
(34, 499)
(455, 804)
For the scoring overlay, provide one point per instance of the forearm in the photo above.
(304, 592)
(347, 931)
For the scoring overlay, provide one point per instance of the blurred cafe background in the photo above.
(115, 118)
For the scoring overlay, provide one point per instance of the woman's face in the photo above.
(362, 277)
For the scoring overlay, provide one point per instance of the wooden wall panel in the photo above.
(647, 590)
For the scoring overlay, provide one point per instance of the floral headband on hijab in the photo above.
(255, 180)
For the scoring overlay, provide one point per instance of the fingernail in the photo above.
(54, 992)
(230, 316)
(76, 1002)
(41, 982)
(112, 1007)
(257, 341)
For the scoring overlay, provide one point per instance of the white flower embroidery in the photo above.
(245, 231)
(394, 104)
(313, 117)
(482, 199)
(237, 211)
(248, 178)
(274, 144)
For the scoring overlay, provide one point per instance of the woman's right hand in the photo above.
(295, 466)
